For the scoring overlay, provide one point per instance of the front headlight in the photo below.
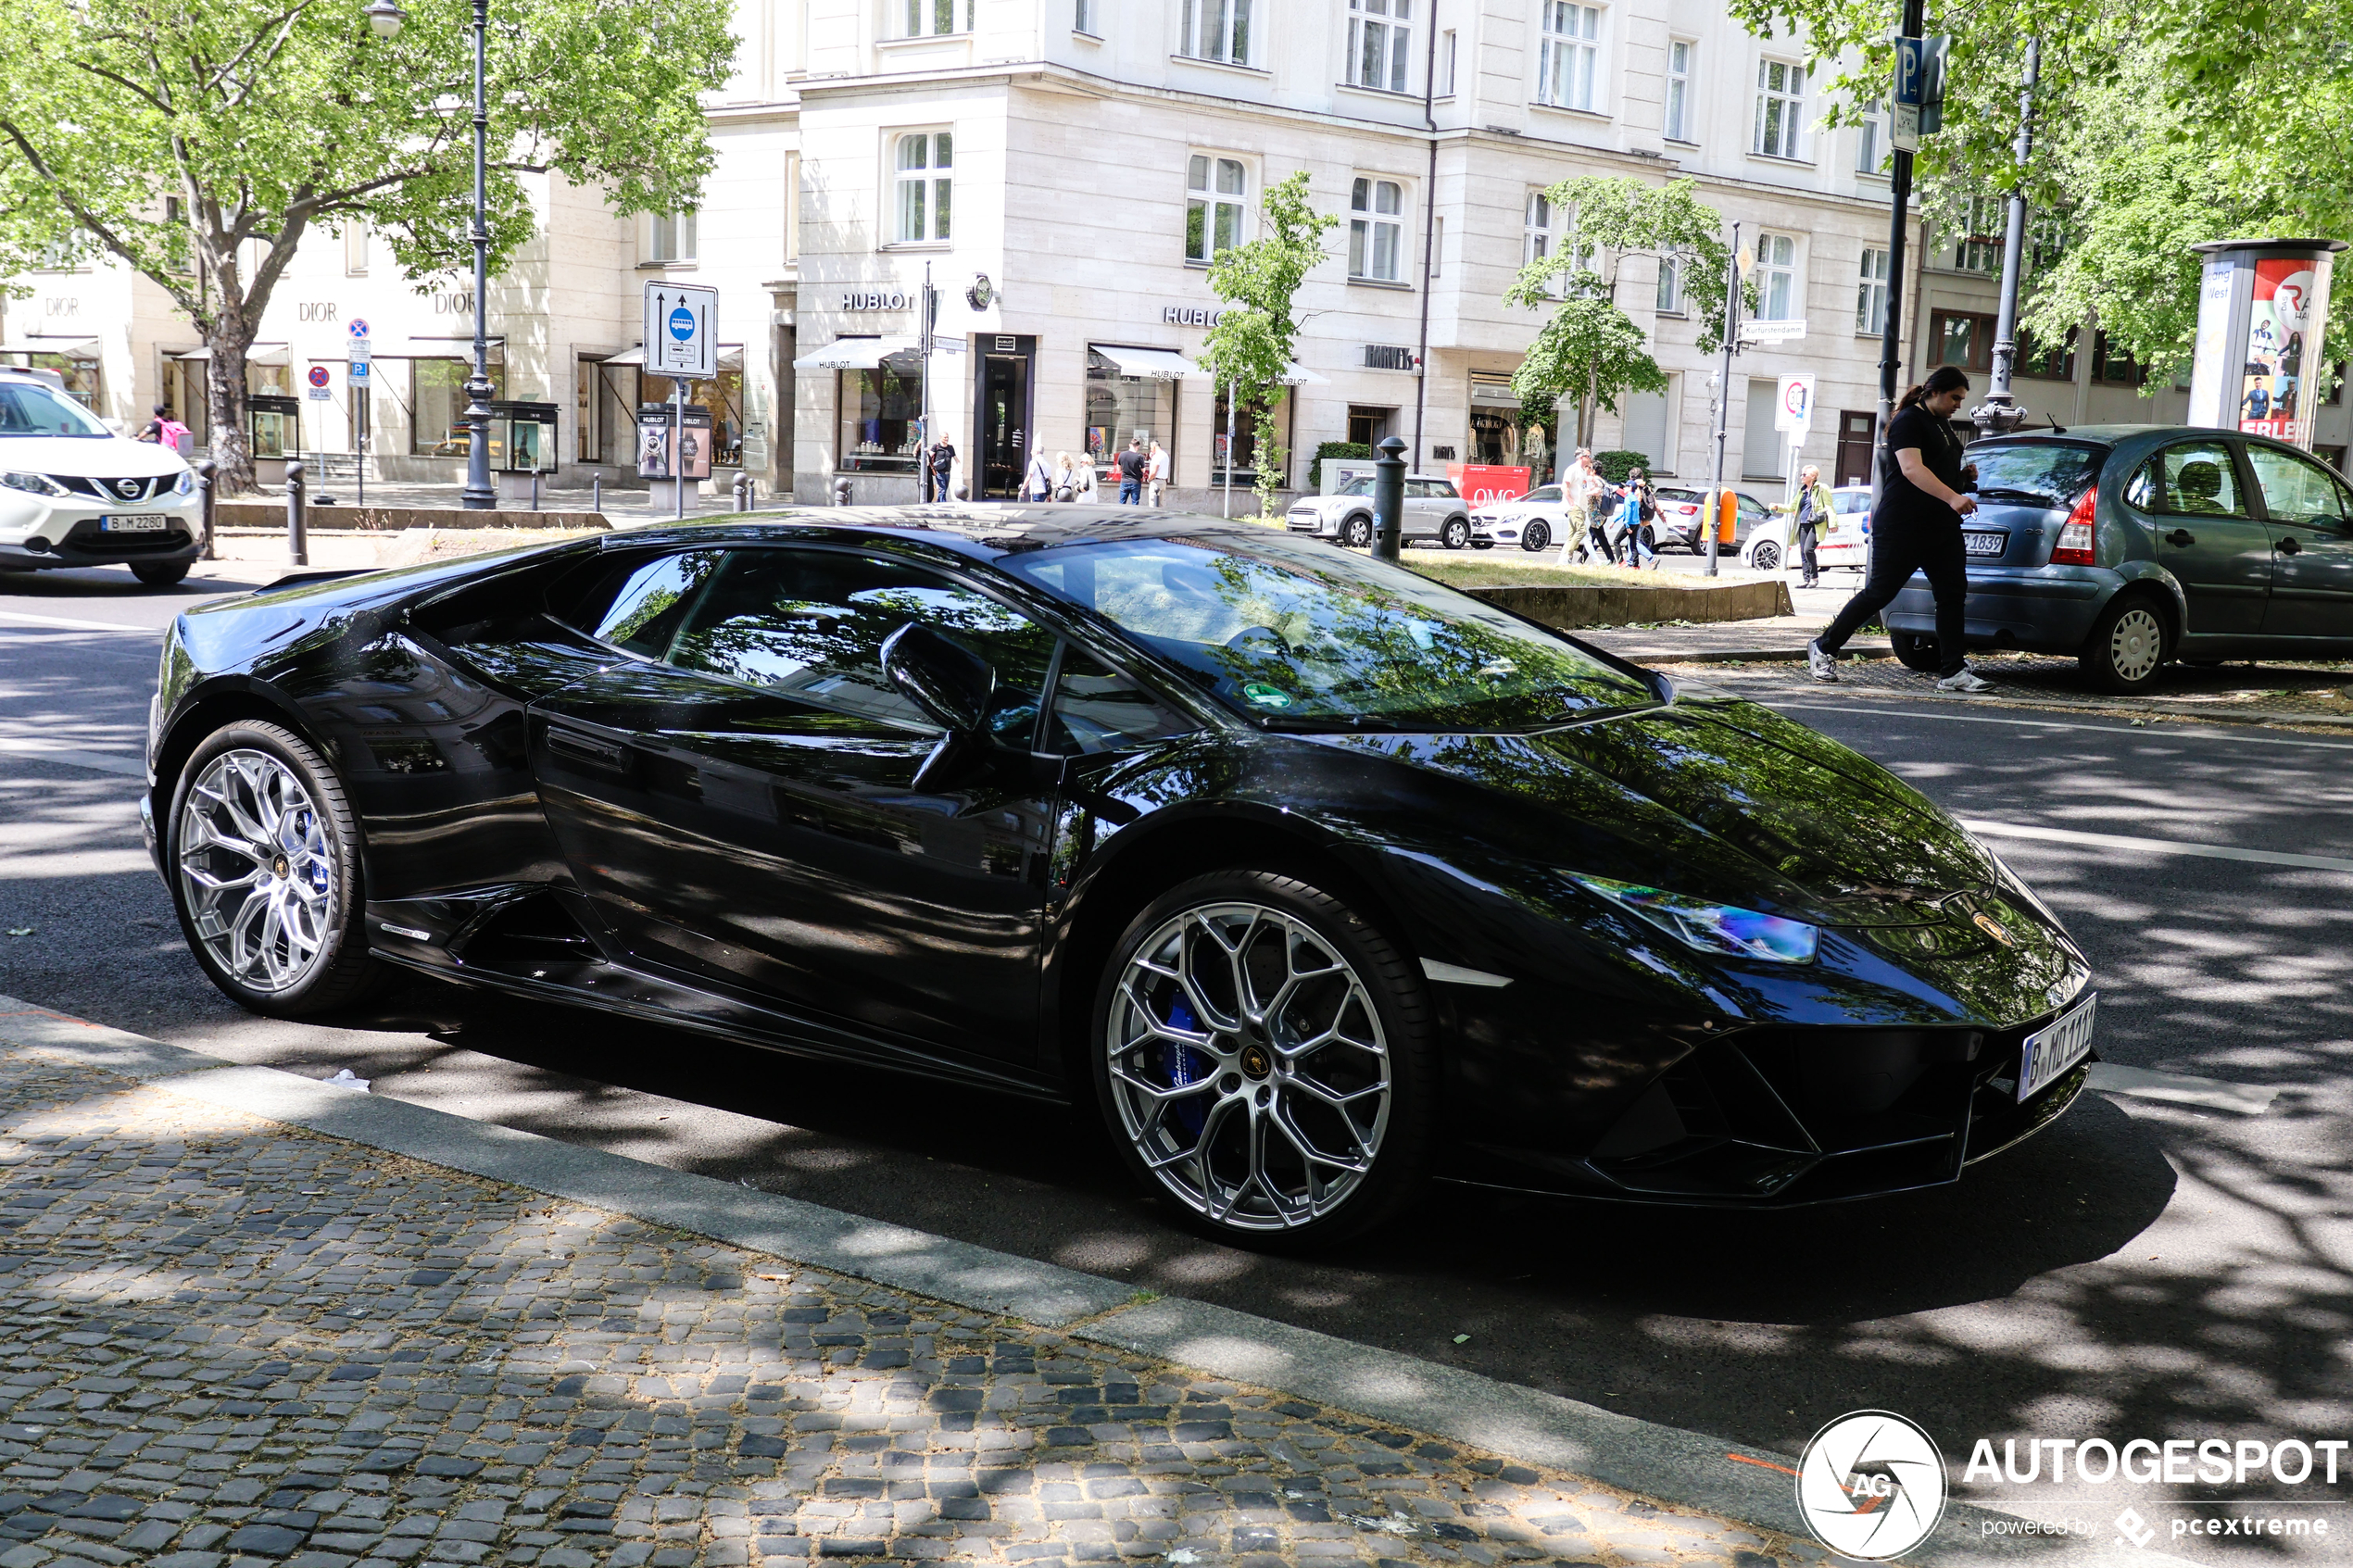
(185, 484)
(1722, 929)
(38, 483)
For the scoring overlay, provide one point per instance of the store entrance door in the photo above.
(1000, 408)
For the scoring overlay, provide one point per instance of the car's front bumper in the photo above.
(2033, 609)
(70, 531)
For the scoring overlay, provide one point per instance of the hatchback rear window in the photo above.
(2036, 473)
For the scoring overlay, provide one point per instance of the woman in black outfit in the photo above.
(1916, 527)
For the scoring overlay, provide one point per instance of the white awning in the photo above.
(1296, 374)
(1156, 364)
(259, 354)
(452, 347)
(34, 342)
(855, 354)
(731, 357)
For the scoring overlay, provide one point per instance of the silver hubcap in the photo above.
(2136, 643)
(255, 869)
(1249, 1066)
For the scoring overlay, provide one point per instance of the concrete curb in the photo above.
(1683, 1469)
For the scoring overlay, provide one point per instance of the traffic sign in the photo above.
(1919, 99)
(360, 372)
(682, 329)
(1793, 404)
(1772, 332)
(319, 377)
(359, 326)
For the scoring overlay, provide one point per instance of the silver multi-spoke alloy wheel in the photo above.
(258, 870)
(1249, 1066)
(2135, 643)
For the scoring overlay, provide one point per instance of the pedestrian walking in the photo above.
(1082, 476)
(1916, 527)
(1156, 473)
(1627, 543)
(1580, 488)
(1065, 478)
(942, 469)
(1038, 480)
(1810, 512)
(1133, 466)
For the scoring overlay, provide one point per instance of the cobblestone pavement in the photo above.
(226, 1341)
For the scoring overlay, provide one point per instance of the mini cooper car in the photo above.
(73, 493)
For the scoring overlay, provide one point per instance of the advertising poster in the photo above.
(2276, 396)
(1482, 483)
(655, 431)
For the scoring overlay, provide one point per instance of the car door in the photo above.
(1424, 513)
(2309, 514)
(2194, 497)
(743, 797)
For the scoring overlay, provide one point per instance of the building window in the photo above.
(2045, 241)
(436, 403)
(354, 241)
(1871, 296)
(1537, 243)
(1242, 456)
(1438, 250)
(1084, 21)
(1446, 64)
(1569, 54)
(792, 206)
(925, 160)
(1376, 230)
(1670, 285)
(673, 236)
(1216, 30)
(1679, 90)
(179, 252)
(1778, 296)
(881, 415)
(2110, 363)
(2335, 384)
(1871, 141)
(1977, 238)
(1780, 108)
(1213, 206)
(1378, 39)
(62, 254)
(933, 19)
(2047, 361)
(1963, 338)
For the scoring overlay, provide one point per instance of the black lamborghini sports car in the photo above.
(1316, 877)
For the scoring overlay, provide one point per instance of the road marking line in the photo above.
(2251, 1099)
(65, 623)
(2169, 732)
(2156, 845)
(74, 757)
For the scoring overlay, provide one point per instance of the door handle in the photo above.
(2289, 547)
(2181, 536)
(585, 750)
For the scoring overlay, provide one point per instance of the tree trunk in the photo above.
(225, 403)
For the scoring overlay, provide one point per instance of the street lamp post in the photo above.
(2000, 412)
(386, 18)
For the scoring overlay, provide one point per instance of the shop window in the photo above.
(2047, 361)
(81, 376)
(1779, 295)
(936, 19)
(605, 406)
(925, 162)
(1963, 338)
(1216, 30)
(673, 236)
(1215, 206)
(1379, 43)
(1780, 108)
(1870, 292)
(1376, 230)
(1245, 449)
(881, 415)
(437, 405)
(1569, 58)
(1123, 408)
(1368, 426)
(723, 396)
(1679, 90)
(273, 381)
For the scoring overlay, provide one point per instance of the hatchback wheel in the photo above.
(1914, 651)
(1262, 1056)
(160, 574)
(1535, 536)
(1766, 557)
(265, 871)
(1357, 531)
(1455, 535)
(2127, 645)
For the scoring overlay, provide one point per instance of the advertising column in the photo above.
(2258, 365)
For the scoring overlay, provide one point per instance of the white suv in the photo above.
(1434, 513)
(73, 493)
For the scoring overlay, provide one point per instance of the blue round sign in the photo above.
(682, 323)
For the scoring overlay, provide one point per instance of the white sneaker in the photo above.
(1821, 666)
(1964, 680)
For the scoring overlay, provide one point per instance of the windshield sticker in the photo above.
(1265, 696)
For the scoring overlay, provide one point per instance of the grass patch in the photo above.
(1543, 572)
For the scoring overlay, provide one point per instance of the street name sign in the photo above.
(682, 329)
(1772, 332)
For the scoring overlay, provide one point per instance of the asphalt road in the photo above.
(2145, 1268)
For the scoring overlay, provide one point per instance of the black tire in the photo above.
(2127, 648)
(1193, 1134)
(1536, 535)
(1357, 531)
(1482, 544)
(2206, 663)
(1916, 651)
(1766, 557)
(320, 851)
(160, 573)
(1456, 534)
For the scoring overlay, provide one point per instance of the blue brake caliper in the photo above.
(1186, 1066)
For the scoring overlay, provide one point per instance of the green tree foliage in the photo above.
(1250, 349)
(1589, 348)
(200, 143)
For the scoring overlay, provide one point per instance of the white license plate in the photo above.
(137, 522)
(1985, 543)
(2052, 1051)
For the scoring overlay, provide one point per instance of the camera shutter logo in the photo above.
(1872, 1486)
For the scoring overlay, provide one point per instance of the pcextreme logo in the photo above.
(1872, 1486)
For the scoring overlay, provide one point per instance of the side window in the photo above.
(2297, 489)
(2196, 479)
(639, 605)
(1417, 489)
(813, 623)
(1547, 493)
(1443, 490)
(1098, 710)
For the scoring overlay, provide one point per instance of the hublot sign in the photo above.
(1189, 315)
(877, 299)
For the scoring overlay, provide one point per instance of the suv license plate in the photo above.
(138, 523)
(1985, 543)
(2052, 1051)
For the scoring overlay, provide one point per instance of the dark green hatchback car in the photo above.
(2128, 545)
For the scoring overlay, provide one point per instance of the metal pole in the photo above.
(478, 495)
(297, 545)
(1891, 337)
(1724, 392)
(205, 470)
(596, 493)
(359, 456)
(2000, 412)
(678, 443)
(923, 396)
(1227, 509)
(1388, 497)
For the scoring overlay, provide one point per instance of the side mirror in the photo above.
(950, 683)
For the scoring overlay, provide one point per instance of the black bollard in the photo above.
(1389, 498)
(297, 545)
(205, 470)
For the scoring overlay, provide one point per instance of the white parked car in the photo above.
(73, 493)
(1435, 514)
(1846, 546)
(1531, 522)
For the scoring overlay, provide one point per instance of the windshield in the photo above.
(30, 408)
(1309, 637)
(1356, 484)
(2038, 474)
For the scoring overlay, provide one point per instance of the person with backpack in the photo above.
(1628, 538)
(1038, 480)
